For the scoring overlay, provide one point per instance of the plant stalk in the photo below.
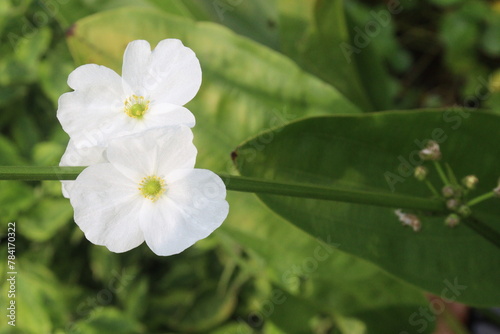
(253, 185)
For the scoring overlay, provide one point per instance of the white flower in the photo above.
(154, 87)
(149, 191)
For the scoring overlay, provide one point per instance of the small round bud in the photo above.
(420, 173)
(452, 204)
(452, 191)
(464, 211)
(497, 191)
(470, 181)
(431, 151)
(448, 191)
(452, 220)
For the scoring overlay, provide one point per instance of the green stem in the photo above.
(441, 173)
(451, 175)
(481, 198)
(245, 184)
(432, 188)
(38, 173)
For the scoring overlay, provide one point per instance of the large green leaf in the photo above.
(315, 34)
(253, 19)
(361, 151)
(248, 88)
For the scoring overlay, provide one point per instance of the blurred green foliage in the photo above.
(265, 63)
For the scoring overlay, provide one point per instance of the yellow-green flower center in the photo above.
(152, 187)
(136, 106)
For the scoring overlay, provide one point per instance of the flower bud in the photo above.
(409, 220)
(452, 220)
(448, 191)
(420, 173)
(452, 204)
(431, 151)
(497, 191)
(452, 191)
(470, 181)
(464, 211)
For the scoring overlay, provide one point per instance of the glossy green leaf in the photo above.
(316, 36)
(371, 152)
(253, 19)
(372, 36)
(68, 12)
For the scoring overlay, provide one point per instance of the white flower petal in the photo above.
(91, 75)
(107, 208)
(80, 156)
(166, 114)
(135, 64)
(153, 152)
(90, 116)
(175, 150)
(173, 74)
(191, 209)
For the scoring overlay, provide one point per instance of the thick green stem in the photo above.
(38, 173)
(245, 184)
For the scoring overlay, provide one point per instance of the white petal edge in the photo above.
(166, 114)
(107, 208)
(90, 75)
(174, 73)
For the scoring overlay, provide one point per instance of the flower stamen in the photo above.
(152, 187)
(136, 106)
